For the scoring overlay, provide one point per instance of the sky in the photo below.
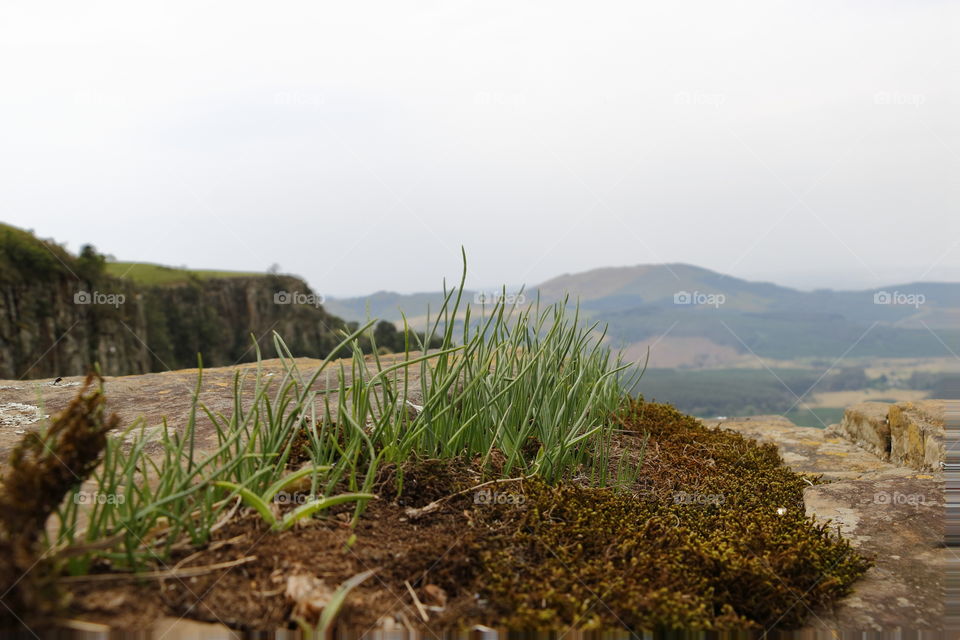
(361, 144)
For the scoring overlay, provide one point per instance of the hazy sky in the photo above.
(359, 144)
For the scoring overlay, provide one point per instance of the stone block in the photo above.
(866, 425)
(917, 435)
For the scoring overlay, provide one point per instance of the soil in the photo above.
(253, 595)
(435, 554)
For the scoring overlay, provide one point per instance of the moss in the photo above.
(42, 469)
(747, 556)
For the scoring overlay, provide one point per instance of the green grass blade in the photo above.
(251, 499)
(313, 506)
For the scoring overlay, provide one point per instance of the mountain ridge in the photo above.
(689, 308)
(668, 282)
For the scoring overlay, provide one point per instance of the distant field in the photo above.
(819, 417)
(155, 274)
(847, 398)
(727, 392)
(802, 394)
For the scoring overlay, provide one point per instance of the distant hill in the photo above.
(696, 317)
(618, 288)
(386, 305)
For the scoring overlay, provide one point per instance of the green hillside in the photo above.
(155, 274)
(25, 258)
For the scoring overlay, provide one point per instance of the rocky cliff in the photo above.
(60, 314)
(43, 332)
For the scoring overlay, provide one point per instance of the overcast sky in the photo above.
(360, 144)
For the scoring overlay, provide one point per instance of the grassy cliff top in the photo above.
(155, 274)
(23, 256)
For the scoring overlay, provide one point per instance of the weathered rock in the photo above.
(894, 516)
(909, 434)
(866, 424)
(916, 434)
(891, 514)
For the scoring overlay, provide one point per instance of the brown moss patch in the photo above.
(42, 468)
(713, 536)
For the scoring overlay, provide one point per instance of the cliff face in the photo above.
(61, 314)
(216, 318)
(44, 332)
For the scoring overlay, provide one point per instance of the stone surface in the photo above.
(892, 514)
(153, 397)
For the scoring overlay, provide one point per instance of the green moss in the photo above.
(594, 558)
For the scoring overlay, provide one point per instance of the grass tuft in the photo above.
(529, 390)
